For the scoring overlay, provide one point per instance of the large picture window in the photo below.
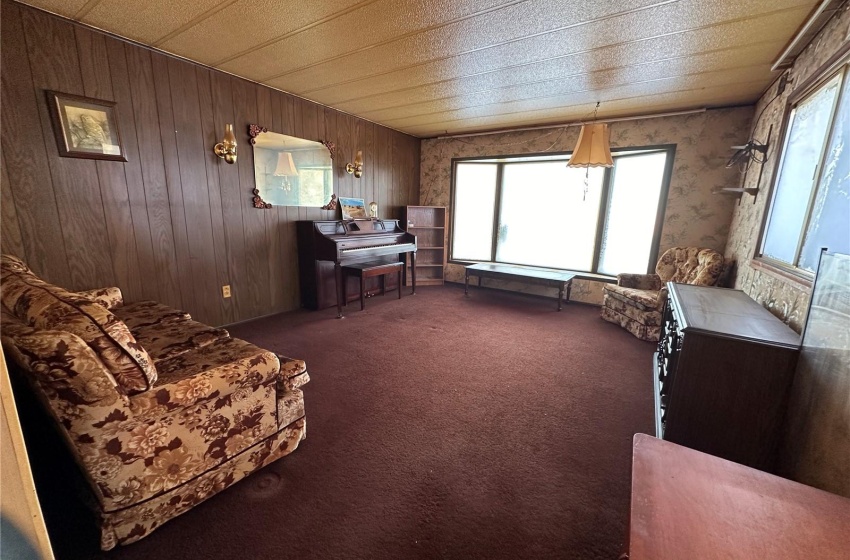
(534, 210)
(810, 206)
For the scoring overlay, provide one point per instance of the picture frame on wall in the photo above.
(353, 208)
(85, 127)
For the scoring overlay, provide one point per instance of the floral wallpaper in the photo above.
(785, 298)
(694, 215)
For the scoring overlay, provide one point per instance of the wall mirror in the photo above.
(290, 171)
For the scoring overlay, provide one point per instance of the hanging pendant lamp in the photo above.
(593, 148)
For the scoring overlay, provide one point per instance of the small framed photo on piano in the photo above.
(353, 208)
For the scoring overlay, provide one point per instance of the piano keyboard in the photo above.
(371, 247)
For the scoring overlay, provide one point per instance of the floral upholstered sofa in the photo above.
(161, 412)
(636, 302)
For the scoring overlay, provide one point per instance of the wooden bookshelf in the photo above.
(428, 224)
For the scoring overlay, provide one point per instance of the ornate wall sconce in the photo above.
(357, 167)
(226, 149)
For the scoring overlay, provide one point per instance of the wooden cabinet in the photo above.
(722, 374)
(428, 224)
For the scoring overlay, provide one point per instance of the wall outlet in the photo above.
(225, 291)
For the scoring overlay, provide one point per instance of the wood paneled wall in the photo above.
(174, 223)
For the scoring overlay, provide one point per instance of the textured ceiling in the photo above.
(428, 67)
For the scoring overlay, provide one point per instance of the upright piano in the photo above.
(324, 247)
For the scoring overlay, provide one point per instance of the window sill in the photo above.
(787, 274)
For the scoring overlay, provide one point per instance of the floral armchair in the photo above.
(160, 411)
(637, 300)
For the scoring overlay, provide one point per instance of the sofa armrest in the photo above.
(293, 373)
(640, 281)
(110, 297)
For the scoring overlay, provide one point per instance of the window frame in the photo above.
(604, 203)
(836, 65)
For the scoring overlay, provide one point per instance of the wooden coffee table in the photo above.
(527, 274)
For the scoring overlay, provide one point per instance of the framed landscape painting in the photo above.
(85, 127)
(353, 208)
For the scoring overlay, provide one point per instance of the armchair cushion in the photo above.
(640, 281)
(690, 265)
(646, 300)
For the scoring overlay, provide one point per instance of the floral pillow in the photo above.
(49, 307)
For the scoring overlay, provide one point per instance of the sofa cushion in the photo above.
(69, 374)
(646, 300)
(148, 313)
(170, 339)
(46, 306)
(14, 264)
(110, 298)
(213, 371)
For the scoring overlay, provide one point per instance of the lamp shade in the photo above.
(285, 166)
(593, 148)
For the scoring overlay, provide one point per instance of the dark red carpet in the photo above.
(438, 427)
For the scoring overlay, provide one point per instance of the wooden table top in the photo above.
(524, 271)
(686, 504)
(732, 313)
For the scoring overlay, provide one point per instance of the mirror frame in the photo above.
(255, 130)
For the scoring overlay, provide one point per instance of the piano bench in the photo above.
(369, 269)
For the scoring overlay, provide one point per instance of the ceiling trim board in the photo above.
(194, 21)
(817, 19)
(520, 126)
(294, 32)
(573, 123)
(86, 8)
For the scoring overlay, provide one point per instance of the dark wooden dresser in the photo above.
(723, 372)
